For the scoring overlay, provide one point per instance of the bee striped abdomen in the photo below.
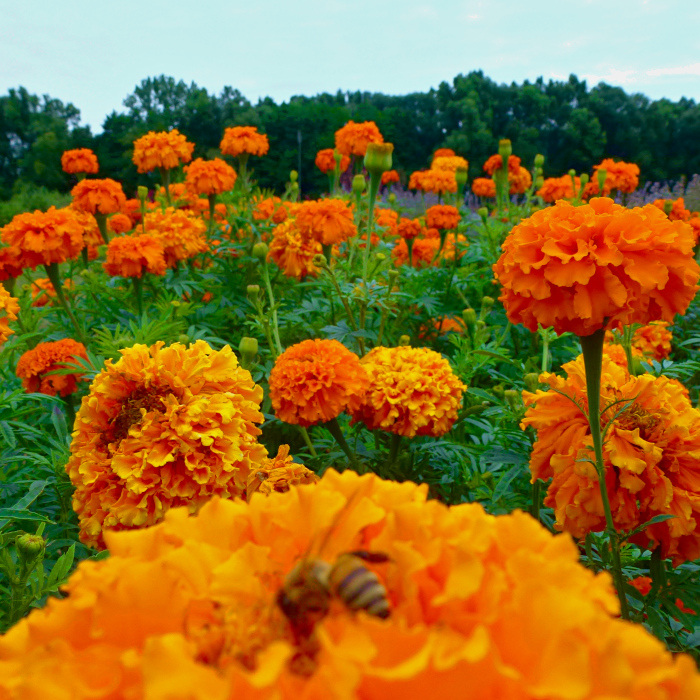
(358, 587)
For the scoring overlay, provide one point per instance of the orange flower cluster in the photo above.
(293, 252)
(651, 454)
(98, 196)
(244, 139)
(652, 341)
(43, 238)
(273, 209)
(450, 163)
(325, 161)
(442, 216)
(278, 475)
(328, 221)
(495, 162)
(409, 229)
(131, 256)
(481, 607)
(10, 262)
(644, 585)
(181, 234)
(390, 176)
(678, 211)
(435, 181)
(315, 381)
(443, 153)
(621, 176)
(35, 366)
(119, 223)
(425, 248)
(388, 218)
(209, 176)
(484, 187)
(353, 138)
(412, 391)
(42, 291)
(519, 182)
(79, 160)
(161, 149)
(583, 268)
(554, 188)
(162, 427)
(9, 308)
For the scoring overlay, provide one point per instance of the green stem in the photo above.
(335, 430)
(212, 208)
(394, 447)
(375, 179)
(70, 411)
(309, 445)
(536, 491)
(165, 177)
(627, 333)
(592, 347)
(102, 226)
(138, 292)
(55, 278)
(273, 308)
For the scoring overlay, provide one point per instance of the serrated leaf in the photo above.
(60, 569)
(8, 434)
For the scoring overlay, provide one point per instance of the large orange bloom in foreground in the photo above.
(162, 427)
(481, 607)
(651, 453)
(209, 176)
(9, 308)
(79, 160)
(161, 149)
(315, 381)
(244, 139)
(412, 391)
(99, 196)
(131, 256)
(329, 221)
(353, 138)
(35, 365)
(583, 268)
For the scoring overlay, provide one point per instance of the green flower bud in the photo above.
(483, 212)
(513, 398)
(142, 192)
(469, 316)
(248, 347)
(404, 340)
(358, 184)
(320, 260)
(539, 160)
(30, 547)
(539, 182)
(293, 176)
(505, 150)
(572, 173)
(380, 257)
(392, 275)
(532, 381)
(252, 290)
(183, 338)
(486, 304)
(260, 251)
(668, 206)
(602, 175)
(391, 198)
(498, 390)
(461, 175)
(585, 177)
(378, 157)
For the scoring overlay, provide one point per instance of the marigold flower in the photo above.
(35, 366)
(315, 381)
(10, 262)
(273, 209)
(353, 138)
(598, 265)
(450, 163)
(209, 176)
(409, 229)
(554, 188)
(244, 139)
(278, 474)
(79, 160)
(182, 235)
(519, 182)
(495, 162)
(418, 179)
(43, 292)
(325, 161)
(187, 608)
(329, 221)
(443, 153)
(678, 211)
(161, 149)
(162, 427)
(412, 391)
(118, 224)
(293, 253)
(651, 341)
(644, 584)
(131, 256)
(9, 308)
(386, 217)
(425, 249)
(621, 176)
(442, 216)
(390, 176)
(98, 196)
(651, 456)
(484, 187)
(439, 181)
(43, 238)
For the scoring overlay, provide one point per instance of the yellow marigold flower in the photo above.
(315, 381)
(244, 139)
(278, 474)
(651, 454)
(292, 252)
(583, 268)
(161, 149)
(182, 235)
(131, 256)
(98, 196)
(9, 308)
(412, 391)
(42, 238)
(79, 160)
(439, 181)
(353, 138)
(162, 427)
(450, 163)
(187, 609)
(209, 176)
(329, 221)
(35, 366)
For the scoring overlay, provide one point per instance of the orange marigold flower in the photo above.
(583, 268)
(42, 290)
(651, 455)
(442, 216)
(418, 180)
(325, 161)
(425, 249)
(293, 253)
(47, 237)
(450, 163)
(519, 182)
(209, 176)
(35, 366)
(412, 391)
(9, 308)
(161, 149)
(443, 153)
(554, 188)
(644, 584)
(315, 381)
(409, 229)
(187, 609)
(131, 256)
(162, 427)
(389, 176)
(182, 235)
(694, 223)
(119, 223)
(244, 139)
(484, 187)
(278, 474)
(621, 176)
(439, 181)
(677, 212)
(386, 217)
(353, 138)
(495, 162)
(10, 262)
(98, 196)
(79, 160)
(652, 341)
(329, 221)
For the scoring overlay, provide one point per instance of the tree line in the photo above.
(571, 125)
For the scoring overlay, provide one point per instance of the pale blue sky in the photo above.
(94, 53)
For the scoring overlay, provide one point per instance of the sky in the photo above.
(95, 53)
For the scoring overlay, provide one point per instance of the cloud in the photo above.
(690, 69)
(613, 76)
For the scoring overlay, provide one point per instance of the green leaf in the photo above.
(60, 570)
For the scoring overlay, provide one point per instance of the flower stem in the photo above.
(273, 308)
(375, 179)
(138, 291)
(394, 447)
(165, 176)
(212, 208)
(55, 279)
(592, 347)
(335, 430)
(102, 226)
(307, 440)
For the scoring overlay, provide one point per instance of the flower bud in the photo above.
(392, 275)
(248, 347)
(539, 160)
(602, 175)
(337, 156)
(513, 398)
(358, 184)
(378, 157)
(486, 304)
(539, 182)
(498, 390)
(668, 207)
(572, 173)
(461, 175)
(532, 381)
(142, 192)
(584, 179)
(380, 257)
(260, 251)
(252, 291)
(30, 547)
(469, 316)
(293, 176)
(391, 198)
(483, 212)
(404, 340)
(183, 338)
(505, 150)
(320, 260)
